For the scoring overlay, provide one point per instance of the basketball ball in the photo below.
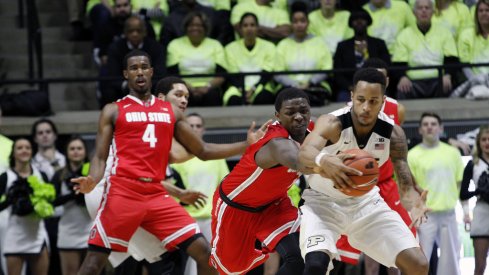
(365, 163)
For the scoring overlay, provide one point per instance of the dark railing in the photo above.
(28, 11)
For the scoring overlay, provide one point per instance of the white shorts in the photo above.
(142, 245)
(371, 226)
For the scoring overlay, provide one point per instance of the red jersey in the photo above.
(390, 109)
(252, 186)
(142, 138)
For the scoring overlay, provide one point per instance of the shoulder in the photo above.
(401, 5)
(467, 34)
(314, 15)
(265, 44)
(234, 45)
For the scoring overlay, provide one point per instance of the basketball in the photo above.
(365, 163)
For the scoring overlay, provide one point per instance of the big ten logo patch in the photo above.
(93, 233)
(314, 240)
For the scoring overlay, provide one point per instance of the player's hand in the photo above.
(332, 167)
(194, 198)
(83, 184)
(253, 136)
(419, 210)
(447, 84)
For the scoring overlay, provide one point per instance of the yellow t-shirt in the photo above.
(473, 48)
(423, 50)
(267, 16)
(438, 170)
(455, 18)
(331, 31)
(195, 60)
(389, 21)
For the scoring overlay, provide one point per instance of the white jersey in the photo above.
(377, 143)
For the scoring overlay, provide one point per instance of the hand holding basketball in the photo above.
(365, 163)
(332, 167)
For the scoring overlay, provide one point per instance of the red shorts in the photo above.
(390, 193)
(235, 233)
(127, 204)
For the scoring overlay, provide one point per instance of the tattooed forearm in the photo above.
(398, 154)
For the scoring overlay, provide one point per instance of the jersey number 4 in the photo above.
(149, 135)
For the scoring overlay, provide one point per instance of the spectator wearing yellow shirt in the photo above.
(423, 45)
(389, 18)
(250, 54)
(274, 22)
(473, 42)
(452, 15)
(302, 51)
(329, 24)
(195, 53)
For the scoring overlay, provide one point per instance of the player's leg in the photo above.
(412, 261)
(380, 233)
(320, 229)
(289, 250)
(198, 249)
(372, 267)
(95, 260)
(481, 246)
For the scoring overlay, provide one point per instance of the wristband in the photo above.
(318, 158)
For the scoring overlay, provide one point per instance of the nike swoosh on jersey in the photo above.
(127, 105)
(397, 202)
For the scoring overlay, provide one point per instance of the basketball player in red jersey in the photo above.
(141, 128)
(251, 204)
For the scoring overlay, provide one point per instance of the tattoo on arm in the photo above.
(398, 154)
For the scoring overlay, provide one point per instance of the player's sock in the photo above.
(289, 250)
(316, 263)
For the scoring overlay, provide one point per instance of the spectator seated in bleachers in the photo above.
(353, 52)
(330, 25)
(135, 38)
(110, 32)
(473, 42)
(195, 53)
(219, 26)
(250, 54)
(303, 51)
(274, 22)
(453, 15)
(422, 45)
(389, 18)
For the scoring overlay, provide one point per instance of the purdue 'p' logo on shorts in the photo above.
(314, 240)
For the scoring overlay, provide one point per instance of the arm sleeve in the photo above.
(465, 194)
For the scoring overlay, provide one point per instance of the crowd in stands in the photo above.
(261, 36)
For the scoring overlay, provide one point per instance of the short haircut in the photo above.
(40, 121)
(165, 85)
(205, 21)
(370, 75)
(430, 114)
(134, 53)
(287, 94)
(246, 14)
(298, 6)
(134, 17)
(375, 63)
(197, 115)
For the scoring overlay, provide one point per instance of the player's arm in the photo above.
(191, 197)
(327, 127)
(412, 196)
(196, 146)
(401, 111)
(281, 151)
(102, 145)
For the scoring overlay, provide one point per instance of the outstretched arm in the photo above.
(281, 151)
(412, 196)
(102, 145)
(327, 127)
(196, 146)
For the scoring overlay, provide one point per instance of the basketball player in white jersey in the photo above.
(329, 211)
